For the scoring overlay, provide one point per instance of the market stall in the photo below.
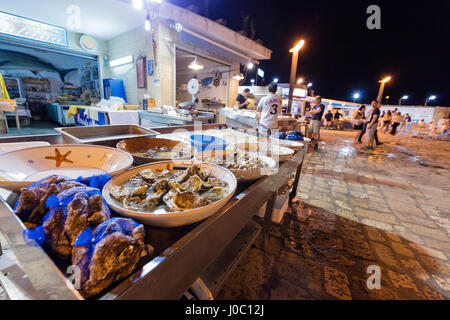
(247, 119)
(157, 117)
(207, 249)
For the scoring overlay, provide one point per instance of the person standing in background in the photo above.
(372, 125)
(269, 109)
(241, 99)
(316, 117)
(328, 119)
(396, 121)
(358, 122)
(337, 123)
(386, 121)
(406, 121)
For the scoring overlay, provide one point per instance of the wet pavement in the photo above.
(359, 215)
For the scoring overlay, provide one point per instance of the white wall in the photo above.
(416, 112)
(135, 43)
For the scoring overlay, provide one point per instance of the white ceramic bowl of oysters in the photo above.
(275, 151)
(159, 216)
(232, 160)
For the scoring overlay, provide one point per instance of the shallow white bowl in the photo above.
(162, 218)
(241, 175)
(276, 151)
(294, 145)
(20, 168)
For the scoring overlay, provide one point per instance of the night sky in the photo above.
(341, 55)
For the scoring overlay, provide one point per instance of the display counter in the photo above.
(206, 250)
(246, 119)
(158, 119)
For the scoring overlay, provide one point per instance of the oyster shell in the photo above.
(133, 203)
(206, 186)
(173, 185)
(200, 202)
(148, 174)
(215, 194)
(137, 181)
(204, 175)
(179, 201)
(194, 170)
(194, 184)
(153, 199)
(215, 182)
(164, 174)
(162, 184)
(119, 193)
(139, 192)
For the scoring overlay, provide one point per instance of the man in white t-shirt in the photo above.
(269, 108)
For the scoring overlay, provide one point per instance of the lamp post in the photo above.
(294, 63)
(356, 96)
(402, 98)
(275, 80)
(380, 92)
(430, 98)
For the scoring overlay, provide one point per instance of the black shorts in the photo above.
(358, 126)
(385, 122)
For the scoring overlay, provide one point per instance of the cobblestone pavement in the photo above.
(388, 208)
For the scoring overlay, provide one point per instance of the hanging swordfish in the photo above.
(12, 60)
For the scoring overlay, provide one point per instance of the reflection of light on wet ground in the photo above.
(390, 155)
(374, 157)
(346, 151)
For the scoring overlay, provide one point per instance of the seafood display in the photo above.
(145, 149)
(271, 150)
(246, 166)
(155, 153)
(172, 190)
(239, 161)
(73, 221)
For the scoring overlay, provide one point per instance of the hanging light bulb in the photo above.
(147, 22)
(238, 77)
(194, 65)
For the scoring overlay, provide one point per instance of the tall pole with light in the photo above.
(430, 98)
(294, 63)
(356, 96)
(405, 97)
(380, 92)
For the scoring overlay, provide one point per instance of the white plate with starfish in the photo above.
(20, 168)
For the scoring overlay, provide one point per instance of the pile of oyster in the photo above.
(174, 190)
(155, 153)
(239, 161)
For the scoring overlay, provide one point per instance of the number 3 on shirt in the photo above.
(274, 109)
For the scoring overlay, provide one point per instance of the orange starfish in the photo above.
(60, 158)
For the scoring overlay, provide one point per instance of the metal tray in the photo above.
(107, 135)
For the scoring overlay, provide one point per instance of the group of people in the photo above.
(365, 122)
(376, 121)
(391, 120)
(333, 117)
(267, 111)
